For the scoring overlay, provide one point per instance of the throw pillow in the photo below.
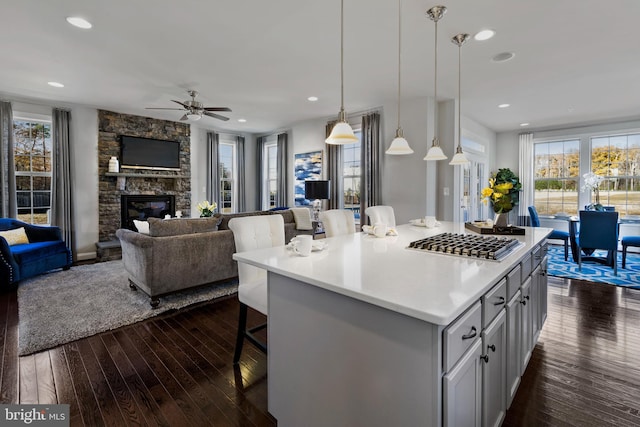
(302, 217)
(17, 236)
(141, 226)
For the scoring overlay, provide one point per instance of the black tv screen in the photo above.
(146, 153)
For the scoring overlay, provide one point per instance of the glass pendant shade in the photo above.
(435, 152)
(341, 134)
(399, 145)
(193, 116)
(459, 158)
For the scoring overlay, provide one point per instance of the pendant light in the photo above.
(459, 158)
(341, 133)
(399, 145)
(435, 152)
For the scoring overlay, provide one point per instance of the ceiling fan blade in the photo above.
(216, 116)
(158, 108)
(178, 102)
(217, 109)
(183, 118)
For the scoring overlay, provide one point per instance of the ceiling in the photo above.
(576, 61)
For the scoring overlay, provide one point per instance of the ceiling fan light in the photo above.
(194, 116)
(341, 134)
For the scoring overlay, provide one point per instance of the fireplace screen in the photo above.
(145, 206)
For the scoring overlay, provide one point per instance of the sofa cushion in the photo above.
(174, 227)
(17, 236)
(141, 226)
(224, 225)
(302, 217)
(36, 252)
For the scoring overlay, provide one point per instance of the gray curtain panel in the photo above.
(260, 174)
(213, 177)
(283, 170)
(241, 174)
(371, 156)
(334, 171)
(8, 198)
(61, 181)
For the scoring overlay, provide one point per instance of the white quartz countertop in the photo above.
(429, 286)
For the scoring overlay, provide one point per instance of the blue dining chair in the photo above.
(555, 234)
(628, 241)
(598, 230)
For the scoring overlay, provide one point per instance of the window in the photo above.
(228, 179)
(617, 159)
(270, 174)
(33, 170)
(351, 175)
(557, 176)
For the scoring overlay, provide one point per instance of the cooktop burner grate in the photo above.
(467, 245)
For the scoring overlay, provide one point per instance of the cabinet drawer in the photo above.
(461, 335)
(514, 280)
(536, 257)
(493, 302)
(526, 266)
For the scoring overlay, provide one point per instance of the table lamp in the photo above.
(316, 191)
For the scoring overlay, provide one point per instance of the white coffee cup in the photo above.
(379, 229)
(430, 221)
(302, 244)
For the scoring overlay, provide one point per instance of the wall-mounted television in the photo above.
(147, 153)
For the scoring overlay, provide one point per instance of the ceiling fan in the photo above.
(194, 109)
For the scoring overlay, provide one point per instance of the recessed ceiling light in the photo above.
(484, 35)
(79, 22)
(504, 105)
(312, 98)
(524, 124)
(242, 120)
(55, 84)
(504, 56)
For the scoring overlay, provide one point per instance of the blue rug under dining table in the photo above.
(593, 271)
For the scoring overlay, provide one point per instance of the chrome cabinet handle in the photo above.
(500, 301)
(471, 334)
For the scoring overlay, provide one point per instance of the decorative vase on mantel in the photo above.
(501, 219)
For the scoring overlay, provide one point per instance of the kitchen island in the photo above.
(370, 333)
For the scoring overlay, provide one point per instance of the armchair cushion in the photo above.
(17, 236)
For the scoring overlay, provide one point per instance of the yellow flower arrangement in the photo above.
(207, 209)
(502, 191)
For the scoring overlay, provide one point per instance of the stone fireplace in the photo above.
(143, 206)
(113, 187)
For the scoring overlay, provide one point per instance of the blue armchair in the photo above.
(45, 251)
(555, 234)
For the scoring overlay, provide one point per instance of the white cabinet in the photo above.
(535, 303)
(462, 390)
(514, 315)
(494, 371)
(526, 336)
(542, 288)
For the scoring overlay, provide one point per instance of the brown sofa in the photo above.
(184, 253)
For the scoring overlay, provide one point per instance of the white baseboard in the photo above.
(86, 256)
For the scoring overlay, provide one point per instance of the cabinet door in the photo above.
(526, 337)
(462, 388)
(542, 289)
(535, 303)
(514, 314)
(494, 372)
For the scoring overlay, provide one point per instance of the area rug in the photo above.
(63, 306)
(593, 271)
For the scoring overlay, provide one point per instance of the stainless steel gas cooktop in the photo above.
(493, 248)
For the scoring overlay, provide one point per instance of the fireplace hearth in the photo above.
(143, 206)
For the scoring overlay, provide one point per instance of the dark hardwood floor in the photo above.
(175, 369)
